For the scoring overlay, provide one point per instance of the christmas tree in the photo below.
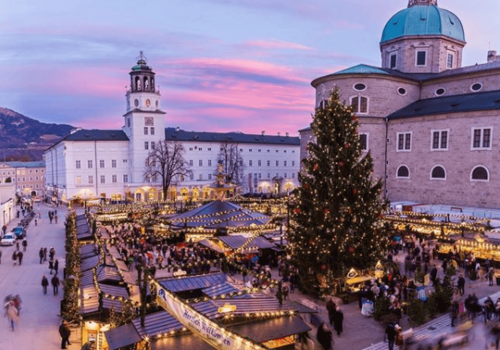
(338, 208)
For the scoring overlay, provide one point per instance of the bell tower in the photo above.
(144, 119)
(422, 2)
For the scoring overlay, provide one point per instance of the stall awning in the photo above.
(122, 336)
(157, 323)
(235, 242)
(270, 329)
(183, 284)
(211, 245)
(186, 341)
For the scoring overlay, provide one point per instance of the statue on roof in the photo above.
(422, 2)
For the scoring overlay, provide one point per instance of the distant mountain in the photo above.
(25, 139)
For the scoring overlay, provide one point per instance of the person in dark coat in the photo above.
(461, 284)
(20, 257)
(56, 266)
(65, 333)
(390, 333)
(55, 284)
(51, 265)
(41, 255)
(331, 307)
(45, 283)
(324, 336)
(434, 272)
(338, 320)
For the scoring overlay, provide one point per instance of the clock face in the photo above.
(136, 103)
(148, 103)
(149, 121)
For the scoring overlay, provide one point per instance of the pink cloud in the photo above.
(277, 44)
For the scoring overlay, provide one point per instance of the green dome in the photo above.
(423, 20)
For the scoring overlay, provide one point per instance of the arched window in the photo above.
(323, 104)
(359, 104)
(403, 172)
(146, 84)
(138, 84)
(438, 172)
(480, 173)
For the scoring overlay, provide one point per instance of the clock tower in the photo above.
(144, 119)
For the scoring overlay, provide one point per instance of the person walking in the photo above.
(12, 314)
(390, 335)
(65, 333)
(338, 321)
(51, 265)
(20, 257)
(41, 255)
(324, 336)
(55, 218)
(17, 245)
(14, 258)
(491, 275)
(56, 266)
(45, 283)
(331, 307)
(55, 284)
(461, 284)
(25, 244)
(455, 308)
(45, 254)
(0, 256)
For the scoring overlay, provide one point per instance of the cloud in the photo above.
(277, 45)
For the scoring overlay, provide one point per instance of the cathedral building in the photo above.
(111, 164)
(431, 125)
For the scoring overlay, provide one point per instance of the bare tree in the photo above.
(232, 162)
(166, 161)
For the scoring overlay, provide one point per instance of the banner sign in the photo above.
(199, 324)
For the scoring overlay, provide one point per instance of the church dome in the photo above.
(423, 20)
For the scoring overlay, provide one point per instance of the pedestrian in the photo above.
(88, 345)
(45, 254)
(65, 333)
(20, 257)
(4, 230)
(324, 336)
(51, 265)
(25, 244)
(331, 307)
(305, 341)
(0, 256)
(52, 253)
(491, 275)
(17, 245)
(338, 321)
(41, 255)
(14, 258)
(461, 284)
(55, 284)
(36, 222)
(12, 313)
(454, 312)
(56, 266)
(390, 335)
(55, 218)
(45, 283)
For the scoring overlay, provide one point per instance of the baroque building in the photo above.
(431, 125)
(111, 164)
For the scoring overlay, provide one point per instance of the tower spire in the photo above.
(422, 2)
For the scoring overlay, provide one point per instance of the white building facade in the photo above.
(110, 164)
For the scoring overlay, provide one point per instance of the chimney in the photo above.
(177, 129)
(492, 56)
(286, 134)
(263, 132)
(279, 134)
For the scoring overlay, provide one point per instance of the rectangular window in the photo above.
(200, 149)
(404, 141)
(114, 179)
(145, 130)
(250, 163)
(103, 179)
(210, 162)
(78, 180)
(190, 162)
(201, 177)
(91, 179)
(89, 164)
(293, 163)
(101, 163)
(152, 131)
(152, 145)
(209, 149)
(210, 176)
(250, 150)
(259, 163)
(284, 163)
(481, 138)
(260, 150)
(359, 104)
(449, 61)
(268, 163)
(128, 122)
(191, 177)
(421, 58)
(260, 176)
(440, 140)
(78, 164)
(293, 175)
(125, 161)
(277, 163)
(393, 61)
(113, 163)
(268, 175)
(125, 178)
(200, 162)
(146, 145)
(285, 175)
(363, 141)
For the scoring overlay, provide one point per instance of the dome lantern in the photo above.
(422, 2)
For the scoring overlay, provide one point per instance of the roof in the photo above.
(274, 328)
(235, 242)
(479, 101)
(182, 284)
(423, 20)
(219, 289)
(243, 306)
(362, 69)
(157, 323)
(122, 336)
(219, 214)
(173, 134)
(38, 164)
(97, 135)
(186, 341)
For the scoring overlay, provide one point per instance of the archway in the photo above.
(152, 194)
(184, 193)
(139, 195)
(195, 193)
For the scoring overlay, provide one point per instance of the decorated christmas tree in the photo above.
(336, 217)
